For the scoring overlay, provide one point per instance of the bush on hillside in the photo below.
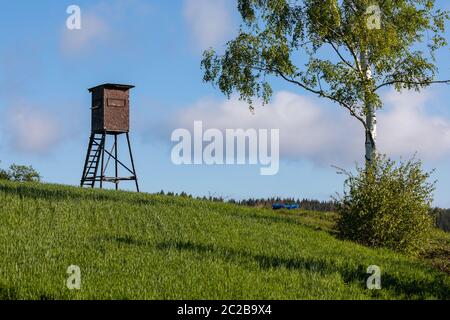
(4, 175)
(20, 174)
(23, 173)
(388, 205)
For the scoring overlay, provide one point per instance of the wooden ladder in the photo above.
(93, 157)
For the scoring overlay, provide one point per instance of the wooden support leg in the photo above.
(132, 163)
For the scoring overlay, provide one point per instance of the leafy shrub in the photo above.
(23, 174)
(4, 175)
(388, 205)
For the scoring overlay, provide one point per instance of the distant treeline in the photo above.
(442, 215)
(443, 219)
(305, 204)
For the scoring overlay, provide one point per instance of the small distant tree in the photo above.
(21, 173)
(184, 195)
(4, 175)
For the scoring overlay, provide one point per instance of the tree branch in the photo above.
(410, 82)
(322, 93)
(355, 57)
(341, 57)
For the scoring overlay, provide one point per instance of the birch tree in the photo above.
(342, 50)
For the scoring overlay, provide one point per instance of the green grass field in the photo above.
(140, 246)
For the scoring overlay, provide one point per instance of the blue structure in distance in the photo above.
(278, 206)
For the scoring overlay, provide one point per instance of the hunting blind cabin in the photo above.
(110, 118)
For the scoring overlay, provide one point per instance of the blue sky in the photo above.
(45, 71)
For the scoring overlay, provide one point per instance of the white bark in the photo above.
(371, 134)
(371, 117)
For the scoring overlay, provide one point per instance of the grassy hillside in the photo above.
(132, 246)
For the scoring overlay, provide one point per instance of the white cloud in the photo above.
(94, 30)
(106, 23)
(407, 128)
(307, 131)
(325, 134)
(210, 21)
(32, 131)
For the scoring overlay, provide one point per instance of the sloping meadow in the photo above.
(141, 246)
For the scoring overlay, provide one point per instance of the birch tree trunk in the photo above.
(371, 117)
(371, 133)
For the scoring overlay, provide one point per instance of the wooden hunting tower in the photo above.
(111, 108)
(110, 117)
